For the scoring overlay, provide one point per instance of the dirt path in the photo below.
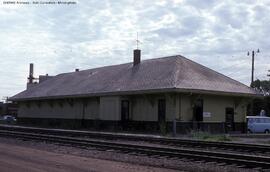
(16, 158)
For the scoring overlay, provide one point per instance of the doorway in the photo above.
(124, 110)
(229, 119)
(198, 110)
(161, 111)
(84, 106)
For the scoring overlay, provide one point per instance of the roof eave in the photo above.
(220, 93)
(154, 91)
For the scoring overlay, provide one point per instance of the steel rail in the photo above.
(251, 148)
(209, 156)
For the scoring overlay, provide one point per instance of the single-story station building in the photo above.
(143, 95)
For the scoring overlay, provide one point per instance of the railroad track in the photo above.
(246, 161)
(237, 147)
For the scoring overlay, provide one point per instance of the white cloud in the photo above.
(94, 33)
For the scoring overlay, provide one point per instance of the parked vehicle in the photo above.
(258, 124)
(8, 119)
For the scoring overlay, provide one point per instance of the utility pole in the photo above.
(252, 77)
(252, 70)
(252, 67)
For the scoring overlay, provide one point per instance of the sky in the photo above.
(58, 38)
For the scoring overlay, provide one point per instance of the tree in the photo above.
(262, 86)
(264, 103)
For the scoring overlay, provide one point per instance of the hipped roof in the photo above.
(174, 73)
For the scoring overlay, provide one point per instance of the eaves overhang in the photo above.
(152, 91)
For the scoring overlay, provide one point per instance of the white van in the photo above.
(258, 124)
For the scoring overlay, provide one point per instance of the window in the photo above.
(256, 120)
(251, 120)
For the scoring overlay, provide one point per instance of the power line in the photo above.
(233, 65)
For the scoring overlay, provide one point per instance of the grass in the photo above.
(200, 135)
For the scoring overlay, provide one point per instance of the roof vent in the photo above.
(77, 70)
(136, 57)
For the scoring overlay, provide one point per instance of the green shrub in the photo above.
(201, 135)
(163, 128)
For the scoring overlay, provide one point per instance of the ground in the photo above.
(253, 139)
(20, 155)
(23, 159)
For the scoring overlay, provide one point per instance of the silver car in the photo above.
(258, 124)
(8, 119)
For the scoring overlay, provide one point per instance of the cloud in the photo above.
(94, 33)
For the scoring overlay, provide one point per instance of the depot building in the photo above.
(142, 95)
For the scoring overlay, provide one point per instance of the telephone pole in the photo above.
(252, 67)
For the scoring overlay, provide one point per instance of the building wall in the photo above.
(185, 107)
(110, 108)
(215, 105)
(92, 109)
(240, 109)
(145, 107)
(59, 109)
(2, 108)
(142, 108)
(171, 111)
(8, 108)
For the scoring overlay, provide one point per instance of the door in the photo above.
(161, 111)
(198, 110)
(259, 125)
(83, 113)
(124, 110)
(229, 119)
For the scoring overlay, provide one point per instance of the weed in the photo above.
(201, 135)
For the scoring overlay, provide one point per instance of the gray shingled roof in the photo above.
(175, 73)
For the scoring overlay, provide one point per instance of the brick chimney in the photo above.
(31, 79)
(136, 57)
(31, 73)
